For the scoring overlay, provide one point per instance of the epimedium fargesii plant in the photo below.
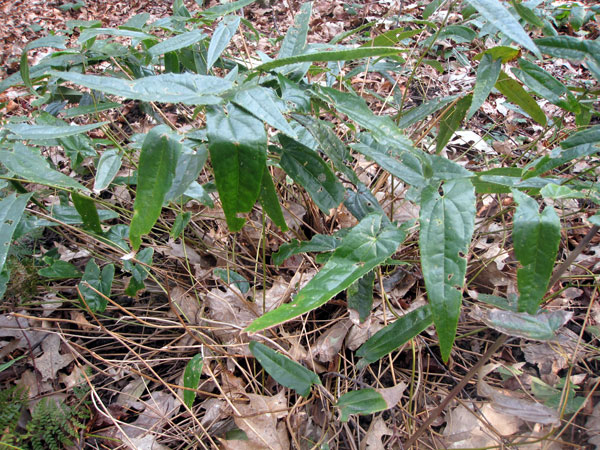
(263, 113)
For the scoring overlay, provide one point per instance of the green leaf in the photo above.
(514, 92)
(568, 47)
(391, 37)
(498, 15)
(542, 326)
(139, 271)
(24, 131)
(366, 246)
(362, 401)
(546, 86)
(362, 202)
(451, 121)
(178, 42)
(238, 153)
(536, 238)
(189, 165)
(590, 135)
(191, 378)
(90, 109)
(383, 128)
(332, 55)
(100, 281)
(328, 141)
(29, 164)
(309, 170)
(106, 170)
(447, 223)
(263, 103)
(226, 8)
(86, 208)
(156, 170)
(318, 243)
(181, 221)
(11, 211)
(557, 191)
(487, 75)
(187, 88)
(269, 200)
(60, 270)
(527, 14)
(503, 52)
(233, 278)
(283, 370)
(359, 295)
(420, 112)
(294, 41)
(393, 336)
(221, 38)
(47, 41)
(90, 33)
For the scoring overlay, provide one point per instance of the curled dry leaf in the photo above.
(392, 395)
(18, 329)
(187, 304)
(160, 407)
(504, 402)
(373, 440)
(330, 343)
(467, 428)
(231, 311)
(259, 419)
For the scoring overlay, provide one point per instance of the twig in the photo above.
(436, 412)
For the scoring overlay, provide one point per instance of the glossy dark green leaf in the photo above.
(425, 109)
(540, 327)
(328, 141)
(100, 281)
(362, 401)
(200, 194)
(60, 270)
(362, 202)
(176, 42)
(536, 238)
(225, 8)
(86, 207)
(527, 14)
(447, 223)
(264, 104)
(294, 41)
(139, 271)
(395, 335)
(29, 164)
(402, 164)
(568, 47)
(487, 75)
(332, 55)
(156, 170)
(187, 88)
(269, 200)
(106, 170)
(238, 153)
(297, 98)
(450, 122)
(181, 221)
(496, 14)
(231, 277)
(318, 243)
(309, 170)
(366, 246)
(189, 165)
(383, 128)
(590, 135)
(514, 92)
(11, 211)
(24, 131)
(359, 295)
(191, 378)
(221, 38)
(546, 86)
(283, 370)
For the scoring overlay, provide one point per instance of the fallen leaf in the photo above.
(330, 343)
(393, 394)
(259, 420)
(186, 304)
(592, 427)
(52, 360)
(159, 408)
(373, 440)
